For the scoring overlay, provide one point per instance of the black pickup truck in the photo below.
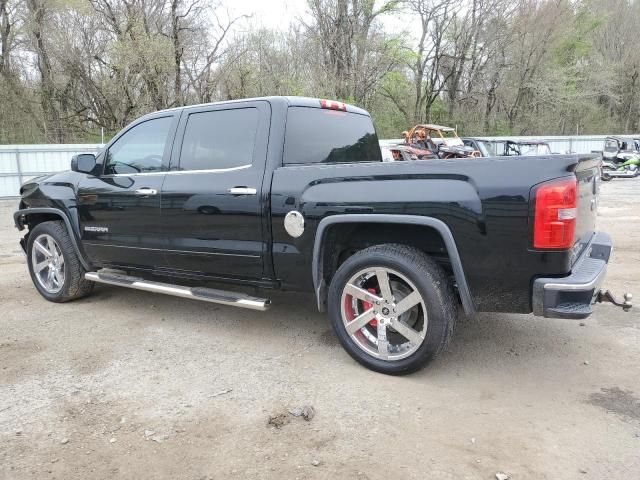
(292, 193)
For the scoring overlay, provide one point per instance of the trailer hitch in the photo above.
(607, 296)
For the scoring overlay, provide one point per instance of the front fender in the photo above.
(21, 217)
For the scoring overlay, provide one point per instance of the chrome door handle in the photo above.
(242, 191)
(146, 191)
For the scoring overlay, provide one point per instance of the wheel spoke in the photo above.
(407, 332)
(51, 246)
(383, 343)
(361, 294)
(383, 282)
(38, 267)
(41, 248)
(408, 302)
(360, 321)
(56, 278)
(50, 279)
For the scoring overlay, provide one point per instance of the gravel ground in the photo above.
(128, 384)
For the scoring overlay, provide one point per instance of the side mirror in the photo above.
(83, 162)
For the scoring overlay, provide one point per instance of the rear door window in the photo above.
(219, 139)
(316, 135)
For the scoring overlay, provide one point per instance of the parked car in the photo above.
(291, 193)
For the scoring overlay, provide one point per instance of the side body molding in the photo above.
(17, 218)
(452, 250)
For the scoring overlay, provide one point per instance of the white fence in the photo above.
(19, 163)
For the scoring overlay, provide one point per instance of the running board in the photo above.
(232, 299)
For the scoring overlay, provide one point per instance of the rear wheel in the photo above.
(54, 266)
(392, 308)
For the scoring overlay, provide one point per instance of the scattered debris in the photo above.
(64, 441)
(278, 421)
(112, 440)
(221, 392)
(160, 438)
(148, 433)
(315, 463)
(502, 476)
(306, 411)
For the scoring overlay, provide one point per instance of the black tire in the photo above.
(74, 286)
(430, 281)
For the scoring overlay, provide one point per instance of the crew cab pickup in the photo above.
(291, 193)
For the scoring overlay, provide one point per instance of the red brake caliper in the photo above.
(367, 306)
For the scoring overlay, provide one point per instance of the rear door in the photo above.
(119, 209)
(212, 206)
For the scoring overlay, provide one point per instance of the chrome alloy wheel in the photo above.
(47, 262)
(383, 313)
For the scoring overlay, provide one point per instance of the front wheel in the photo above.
(54, 266)
(392, 308)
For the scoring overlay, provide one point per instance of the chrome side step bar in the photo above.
(232, 299)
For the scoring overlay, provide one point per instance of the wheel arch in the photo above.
(441, 229)
(35, 216)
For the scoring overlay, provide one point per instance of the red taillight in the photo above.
(333, 105)
(555, 214)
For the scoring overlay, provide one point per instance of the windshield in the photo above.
(488, 149)
(529, 149)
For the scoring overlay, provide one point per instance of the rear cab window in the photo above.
(318, 135)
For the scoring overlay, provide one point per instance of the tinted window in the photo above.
(140, 149)
(316, 135)
(219, 139)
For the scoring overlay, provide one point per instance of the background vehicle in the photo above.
(627, 169)
(505, 148)
(399, 153)
(441, 140)
(486, 147)
(239, 193)
(620, 149)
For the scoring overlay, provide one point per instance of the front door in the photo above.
(119, 210)
(212, 196)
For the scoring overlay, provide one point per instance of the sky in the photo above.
(278, 14)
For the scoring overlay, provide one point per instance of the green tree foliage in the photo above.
(70, 69)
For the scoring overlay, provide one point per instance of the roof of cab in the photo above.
(291, 101)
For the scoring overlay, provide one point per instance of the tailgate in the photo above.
(588, 174)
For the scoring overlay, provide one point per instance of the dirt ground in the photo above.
(128, 384)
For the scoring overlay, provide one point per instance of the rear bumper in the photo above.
(573, 296)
